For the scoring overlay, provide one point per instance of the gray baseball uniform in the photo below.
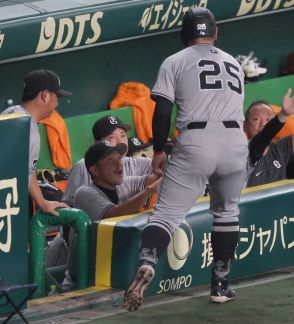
(207, 86)
(34, 137)
(95, 203)
(79, 175)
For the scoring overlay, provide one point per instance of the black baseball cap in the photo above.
(106, 125)
(40, 80)
(100, 150)
(135, 145)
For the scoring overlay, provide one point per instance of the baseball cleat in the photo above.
(134, 295)
(221, 292)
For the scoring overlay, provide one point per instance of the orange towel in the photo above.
(288, 128)
(62, 184)
(58, 140)
(137, 95)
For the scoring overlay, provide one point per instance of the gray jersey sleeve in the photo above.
(92, 201)
(34, 148)
(165, 83)
(130, 187)
(78, 177)
(137, 166)
(95, 203)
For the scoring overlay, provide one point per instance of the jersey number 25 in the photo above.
(213, 71)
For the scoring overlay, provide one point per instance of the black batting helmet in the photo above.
(197, 22)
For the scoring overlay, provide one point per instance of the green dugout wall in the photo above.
(14, 200)
(266, 243)
(97, 45)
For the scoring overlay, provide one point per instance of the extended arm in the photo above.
(160, 127)
(262, 139)
(133, 204)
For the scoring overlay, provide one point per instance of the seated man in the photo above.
(268, 160)
(113, 130)
(110, 194)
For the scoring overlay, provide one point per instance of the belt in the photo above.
(202, 124)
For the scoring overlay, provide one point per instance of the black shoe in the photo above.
(220, 291)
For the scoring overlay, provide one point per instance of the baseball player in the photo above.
(110, 194)
(207, 85)
(39, 99)
(108, 128)
(111, 129)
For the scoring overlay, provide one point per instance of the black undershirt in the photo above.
(110, 193)
(161, 122)
(260, 141)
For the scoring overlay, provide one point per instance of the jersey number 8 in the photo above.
(213, 73)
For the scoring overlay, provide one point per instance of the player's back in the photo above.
(208, 85)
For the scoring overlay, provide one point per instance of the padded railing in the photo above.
(75, 218)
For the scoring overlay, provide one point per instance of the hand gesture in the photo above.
(288, 103)
(159, 162)
(154, 187)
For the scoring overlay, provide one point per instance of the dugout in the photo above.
(96, 45)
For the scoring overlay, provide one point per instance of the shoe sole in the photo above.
(221, 299)
(134, 295)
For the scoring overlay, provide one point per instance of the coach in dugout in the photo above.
(109, 195)
(41, 91)
(268, 161)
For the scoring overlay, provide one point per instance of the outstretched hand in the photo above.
(287, 104)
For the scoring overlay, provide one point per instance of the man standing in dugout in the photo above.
(207, 85)
(41, 92)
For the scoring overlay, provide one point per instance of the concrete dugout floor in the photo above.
(264, 299)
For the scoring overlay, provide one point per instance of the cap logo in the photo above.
(58, 80)
(112, 120)
(136, 141)
(107, 143)
(201, 27)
